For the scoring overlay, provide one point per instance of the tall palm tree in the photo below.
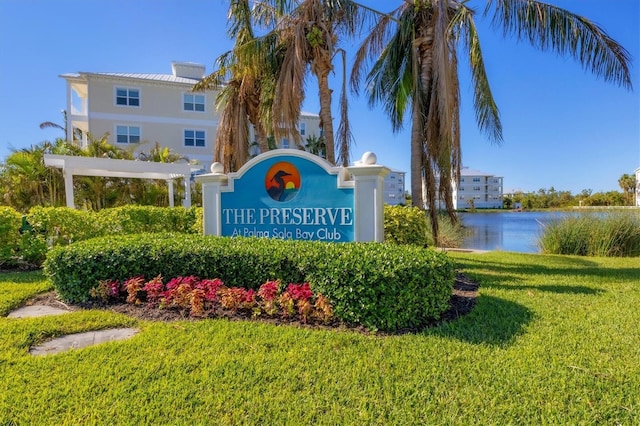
(628, 184)
(309, 31)
(242, 78)
(414, 49)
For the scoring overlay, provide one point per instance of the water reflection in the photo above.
(507, 231)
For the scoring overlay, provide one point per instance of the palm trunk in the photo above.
(416, 158)
(326, 120)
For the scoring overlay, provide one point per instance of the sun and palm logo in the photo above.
(282, 181)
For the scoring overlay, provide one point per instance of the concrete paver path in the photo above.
(36, 311)
(71, 341)
(81, 340)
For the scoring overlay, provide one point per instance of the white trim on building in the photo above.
(637, 172)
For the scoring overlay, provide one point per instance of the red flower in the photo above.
(300, 291)
(269, 290)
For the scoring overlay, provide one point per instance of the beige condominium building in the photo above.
(138, 110)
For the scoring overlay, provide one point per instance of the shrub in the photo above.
(379, 286)
(10, 223)
(56, 226)
(188, 294)
(405, 225)
(410, 225)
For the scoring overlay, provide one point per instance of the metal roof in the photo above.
(167, 78)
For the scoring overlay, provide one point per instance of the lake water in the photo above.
(507, 231)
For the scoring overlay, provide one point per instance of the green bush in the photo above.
(59, 226)
(379, 286)
(612, 234)
(10, 223)
(410, 225)
(406, 225)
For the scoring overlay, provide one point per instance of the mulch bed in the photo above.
(462, 302)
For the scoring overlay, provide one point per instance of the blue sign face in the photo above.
(290, 197)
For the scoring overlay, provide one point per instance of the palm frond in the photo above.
(548, 27)
(486, 109)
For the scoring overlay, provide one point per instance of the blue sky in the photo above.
(562, 126)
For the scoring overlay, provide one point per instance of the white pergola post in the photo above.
(68, 188)
(170, 186)
(187, 191)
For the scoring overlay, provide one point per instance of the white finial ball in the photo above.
(217, 168)
(369, 158)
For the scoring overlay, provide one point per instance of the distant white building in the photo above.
(638, 187)
(476, 189)
(394, 187)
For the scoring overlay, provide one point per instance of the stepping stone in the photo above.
(81, 340)
(36, 311)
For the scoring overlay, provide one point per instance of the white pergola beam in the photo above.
(108, 167)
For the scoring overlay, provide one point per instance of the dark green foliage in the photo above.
(10, 222)
(60, 226)
(379, 286)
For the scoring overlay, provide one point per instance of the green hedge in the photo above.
(60, 226)
(10, 222)
(379, 286)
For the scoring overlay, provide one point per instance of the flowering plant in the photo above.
(206, 297)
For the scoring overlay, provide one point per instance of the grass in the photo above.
(552, 340)
(609, 234)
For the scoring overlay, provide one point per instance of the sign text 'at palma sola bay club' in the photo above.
(292, 194)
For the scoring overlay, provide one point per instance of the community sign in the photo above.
(288, 194)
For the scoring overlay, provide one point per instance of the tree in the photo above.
(309, 32)
(628, 184)
(242, 78)
(77, 133)
(415, 70)
(316, 145)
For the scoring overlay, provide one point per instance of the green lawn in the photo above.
(552, 340)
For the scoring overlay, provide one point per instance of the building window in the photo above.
(461, 179)
(193, 102)
(195, 138)
(476, 179)
(127, 97)
(285, 143)
(476, 188)
(127, 134)
(462, 188)
(303, 128)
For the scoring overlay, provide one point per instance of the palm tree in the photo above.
(77, 133)
(242, 76)
(628, 184)
(316, 145)
(309, 31)
(415, 70)
(160, 154)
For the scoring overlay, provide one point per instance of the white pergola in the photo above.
(108, 167)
